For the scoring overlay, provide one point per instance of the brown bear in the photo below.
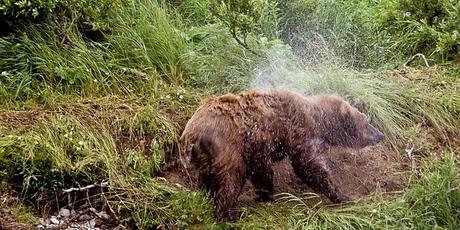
(234, 137)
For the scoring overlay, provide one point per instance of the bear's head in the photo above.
(345, 126)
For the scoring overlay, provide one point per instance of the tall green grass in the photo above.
(141, 52)
(45, 61)
(322, 31)
(146, 37)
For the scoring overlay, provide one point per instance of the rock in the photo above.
(64, 212)
(41, 221)
(84, 217)
(100, 222)
(54, 220)
(40, 226)
(104, 215)
(92, 223)
(73, 213)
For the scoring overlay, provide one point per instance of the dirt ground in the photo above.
(8, 215)
(359, 173)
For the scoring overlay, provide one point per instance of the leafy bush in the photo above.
(431, 27)
(87, 13)
(25, 8)
(242, 18)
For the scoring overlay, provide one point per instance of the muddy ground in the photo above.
(359, 173)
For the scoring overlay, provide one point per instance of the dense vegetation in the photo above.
(82, 82)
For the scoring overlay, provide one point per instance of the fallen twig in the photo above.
(125, 106)
(112, 212)
(454, 189)
(411, 157)
(102, 184)
(419, 55)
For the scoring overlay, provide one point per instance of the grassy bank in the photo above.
(91, 96)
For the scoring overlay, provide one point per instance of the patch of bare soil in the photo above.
(8, 218)
(358, 172)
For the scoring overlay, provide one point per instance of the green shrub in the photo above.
(231, 64)
(88, 13)
(244, 18)
(25, 8)
(430, 27)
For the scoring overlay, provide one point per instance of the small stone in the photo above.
(40, 226)
(100, 222)
(84, 217)
(104, 215)
(54, 220)
(92, 223)
(41, 221)
(64, 212)
(73, 213)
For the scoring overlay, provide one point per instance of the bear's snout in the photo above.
(377, 136)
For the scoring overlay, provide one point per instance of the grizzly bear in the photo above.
(235, 137)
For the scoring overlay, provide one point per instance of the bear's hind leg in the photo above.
(315, 172)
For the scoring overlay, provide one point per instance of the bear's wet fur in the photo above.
(234, 137)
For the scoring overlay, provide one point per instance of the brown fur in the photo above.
(234, 137)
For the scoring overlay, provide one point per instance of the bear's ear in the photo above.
(361, 107)
(344, 107)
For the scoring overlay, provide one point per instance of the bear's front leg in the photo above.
(314, 171)
(262, 179)
(230, 177)
(227, 195)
